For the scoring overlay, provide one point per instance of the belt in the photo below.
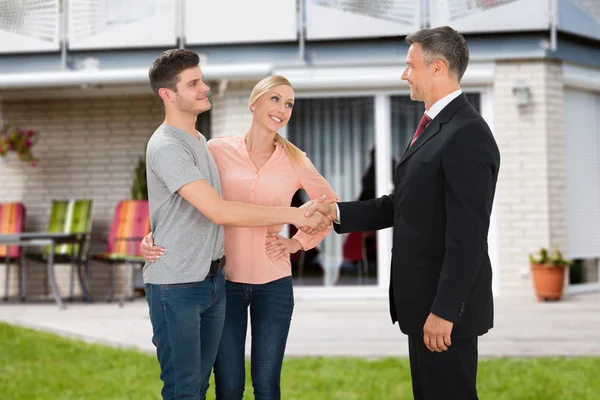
(216, 266)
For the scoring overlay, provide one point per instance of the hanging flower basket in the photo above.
(20, 141)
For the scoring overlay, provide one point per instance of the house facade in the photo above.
(76, 71)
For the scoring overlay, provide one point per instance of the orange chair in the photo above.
(131, 222)
(12, 220)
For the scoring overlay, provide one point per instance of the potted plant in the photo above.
(548, 271)
(139, 188)
(139, 192)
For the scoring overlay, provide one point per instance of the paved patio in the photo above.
(324, 326)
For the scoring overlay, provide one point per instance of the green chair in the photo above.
(69, 216)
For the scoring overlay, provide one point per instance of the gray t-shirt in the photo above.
(173, 159)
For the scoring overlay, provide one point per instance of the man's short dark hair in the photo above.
(443, 43)
(164, 71)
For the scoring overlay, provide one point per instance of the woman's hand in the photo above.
(277, 246)
(150, 252)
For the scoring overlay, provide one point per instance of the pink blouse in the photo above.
(274, 184)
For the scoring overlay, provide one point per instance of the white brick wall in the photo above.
(230, 113)
(531, 195)
(88, 149)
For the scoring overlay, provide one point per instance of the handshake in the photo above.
(316, 216)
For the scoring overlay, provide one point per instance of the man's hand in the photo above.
(329, 210)
(317, 222)
(277, 246)
(150, 252)
(309, 203)
(436, 333)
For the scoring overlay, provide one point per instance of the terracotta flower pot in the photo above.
(548, 281)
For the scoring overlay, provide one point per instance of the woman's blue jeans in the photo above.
(271, 306)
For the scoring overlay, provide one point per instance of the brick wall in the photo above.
(88, 149)
(531, 198)
(230, 113)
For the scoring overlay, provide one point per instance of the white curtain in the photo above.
(336, 134)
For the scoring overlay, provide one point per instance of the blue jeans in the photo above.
(271, 306)
(187, 321)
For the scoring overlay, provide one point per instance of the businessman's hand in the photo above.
(315, 223)
(309, 203)
(436, 333)
(329, 210)
(150, 252)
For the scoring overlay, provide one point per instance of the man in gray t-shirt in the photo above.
(175, 159)
(185, 288)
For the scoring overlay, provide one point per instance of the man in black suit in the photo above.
(441, 277)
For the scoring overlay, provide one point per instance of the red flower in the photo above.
(18, 140)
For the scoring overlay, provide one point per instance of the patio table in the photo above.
(51, 239)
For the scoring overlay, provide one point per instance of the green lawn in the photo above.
(41, 366)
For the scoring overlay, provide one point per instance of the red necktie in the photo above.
(424, 121)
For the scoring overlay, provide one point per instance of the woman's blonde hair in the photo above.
(294, 154)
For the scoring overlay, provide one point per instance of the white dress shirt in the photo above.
(439, 105)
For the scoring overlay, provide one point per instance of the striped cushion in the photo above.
(131, 220)
(12, 220)
(70, 216)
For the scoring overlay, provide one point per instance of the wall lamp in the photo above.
(522, 94)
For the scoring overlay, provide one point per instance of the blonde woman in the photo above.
(260, 168)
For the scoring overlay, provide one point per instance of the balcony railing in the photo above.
(28, 26)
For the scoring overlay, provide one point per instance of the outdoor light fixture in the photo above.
(522, 94)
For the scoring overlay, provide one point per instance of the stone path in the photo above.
(344, 327)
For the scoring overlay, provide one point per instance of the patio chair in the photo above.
(131, 222)
(354, 254)
(69, 216)
(12, 220)
(360, 248)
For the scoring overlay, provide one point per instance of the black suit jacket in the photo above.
(440, 210)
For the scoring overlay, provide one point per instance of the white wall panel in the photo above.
(581, 17)
(340, 19)
(491, 15)
(582, 138)
(237, 21)
(109, 24)
(29, 26)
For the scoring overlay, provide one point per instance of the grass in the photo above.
(41, 366)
